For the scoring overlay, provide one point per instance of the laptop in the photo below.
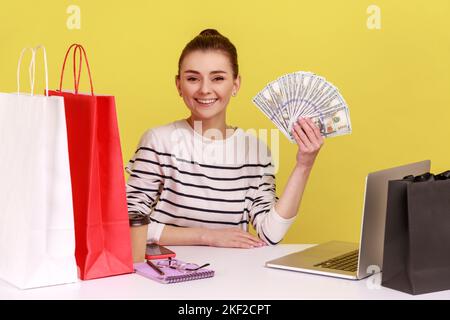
(352, 260)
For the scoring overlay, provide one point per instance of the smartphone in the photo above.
(155, 251)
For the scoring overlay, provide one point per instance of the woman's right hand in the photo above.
(231, 238)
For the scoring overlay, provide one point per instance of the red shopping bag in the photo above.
(102, 234)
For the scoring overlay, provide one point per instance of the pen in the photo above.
(151, 264)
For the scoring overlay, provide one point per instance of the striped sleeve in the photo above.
(269, 225)
(145, 182)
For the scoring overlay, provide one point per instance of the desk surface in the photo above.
(240, 274)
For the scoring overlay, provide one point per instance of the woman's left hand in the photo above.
(309, 141)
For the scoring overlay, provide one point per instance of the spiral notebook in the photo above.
(171, 275)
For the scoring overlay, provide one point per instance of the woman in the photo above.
(181, 173)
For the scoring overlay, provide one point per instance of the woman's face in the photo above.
(206, 83)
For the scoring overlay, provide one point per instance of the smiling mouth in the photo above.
(206, 102)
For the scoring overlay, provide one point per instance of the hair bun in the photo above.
(210, 32)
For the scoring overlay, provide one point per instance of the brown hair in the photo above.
(211, 39)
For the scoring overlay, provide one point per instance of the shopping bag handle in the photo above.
(32, 68)
(76, 80)
(427, 176)
(75, 76)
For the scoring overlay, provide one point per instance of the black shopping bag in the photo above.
(416, 255)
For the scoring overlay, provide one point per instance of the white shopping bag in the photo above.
(37, 238)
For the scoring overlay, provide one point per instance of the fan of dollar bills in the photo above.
(304, 94)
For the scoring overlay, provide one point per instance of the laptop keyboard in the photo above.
(345, 262)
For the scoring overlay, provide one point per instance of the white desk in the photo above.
(240, 274)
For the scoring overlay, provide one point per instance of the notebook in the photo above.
(171, 275)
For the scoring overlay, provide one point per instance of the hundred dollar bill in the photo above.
(335, 123)
(331, 124)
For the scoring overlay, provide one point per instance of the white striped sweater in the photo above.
(183, 179)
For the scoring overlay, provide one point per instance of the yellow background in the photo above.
(395, 80)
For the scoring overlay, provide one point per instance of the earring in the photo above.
(234, 94)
